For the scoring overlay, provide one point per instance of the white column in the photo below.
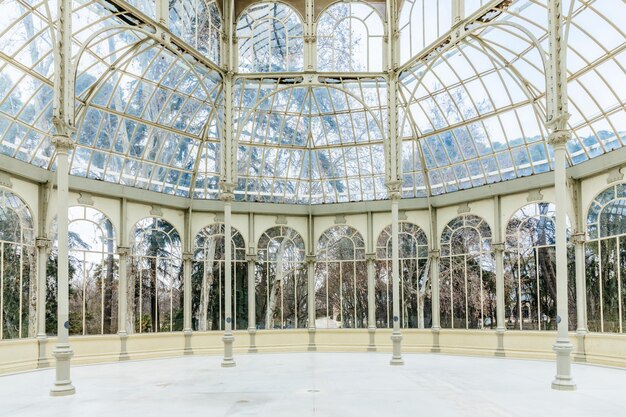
(43, 250)
(310, 263)
(581, 296)
(187, 330)
(581, 284)
(122, 301)
(63, 120)
(310, 45)
(557, 115)
(251, 257)
(371, 300)
(396, 335)
(498, 249)
(62, 352)
(434, 285)
(228, 338)
(563, 347)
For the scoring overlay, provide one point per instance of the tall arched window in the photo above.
(350, 38)
(606, 261)
(341, 279)
(467, 278)
(421, 22)
(18, 278)
(281, 285)
(415, 296)
(94, 267)
(199, 23)
(530, 270)
(208, 279)
(156, 269)
(270, 38)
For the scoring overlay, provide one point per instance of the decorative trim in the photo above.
(43, 243)
(463, 208)
(370, 257)
(434, 254)
(156, 211)
(187, 256)
(85, 198)
(534, 195)
(123, 250)
(340, 219)
(614, 175)
(310, 259)
(498, 247)
(281, 219)
(219, 218)
(5, 180)
(578, 238)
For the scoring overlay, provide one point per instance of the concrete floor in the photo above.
(319, 384)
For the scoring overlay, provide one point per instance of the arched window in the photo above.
(530, 270)
(199, 23)
(341, 279)
(93, 272)
(605, 254)
(467, 278)
(270, 38)
(17, 268)
(350, 38)
(415, 307)
(281, 285)
(207, 279)
(156, 270)
(421, 22)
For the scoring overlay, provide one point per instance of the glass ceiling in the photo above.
(150, 116)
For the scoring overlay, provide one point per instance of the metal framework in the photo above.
(348, 104)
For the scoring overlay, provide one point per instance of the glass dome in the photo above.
(149, 111)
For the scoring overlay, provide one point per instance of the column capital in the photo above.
(227, 191)
(370, 257)
(498, 247)
(558, 138)
(123, 250)
(62, 142)
(434, 254)
(310, 259)
(252, 257)
(187, 256)
(394, 189)
(43, 243)
(578, 238)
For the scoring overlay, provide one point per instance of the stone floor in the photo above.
(319, 384)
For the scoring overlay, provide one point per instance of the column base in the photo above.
(62, 389)
(563, 385)
(63, 384)
(42, 358)
(372, 336)
(188, 351)
(563, 380)
(580, 355)
(123, 349)
(228, 361)
(396, 341)
(436, 348)
(500, 353)
(252, 333)
(311, 347)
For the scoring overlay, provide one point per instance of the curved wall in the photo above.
(28, 354)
